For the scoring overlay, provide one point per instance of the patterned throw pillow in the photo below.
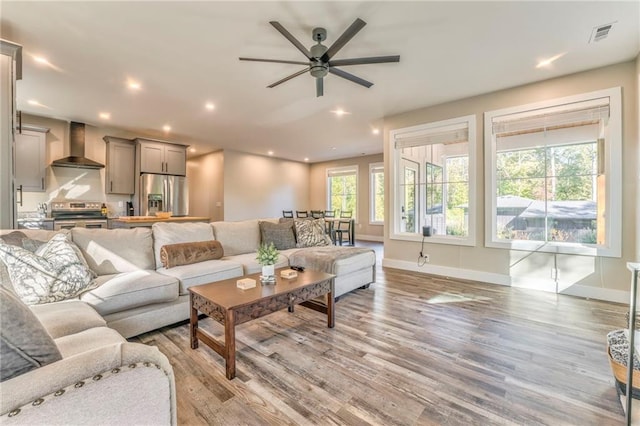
(280, 234)
(56, 271)
(311, 233)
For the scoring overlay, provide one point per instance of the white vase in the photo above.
(268, 270)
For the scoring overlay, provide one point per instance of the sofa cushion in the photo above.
(203, 273)
(130, 290)
(67, 317)
(311, 233)
(187, 253)
(250, 264)
(24, 342)
(88, 340)
(56, 271)
(111, 251)
(280, 234)
(238, 237)
(172, 233)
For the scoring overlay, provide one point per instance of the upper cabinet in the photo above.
(31, 158)
(162, 157)
(120, 175)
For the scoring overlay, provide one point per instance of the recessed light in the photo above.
(340, 112)
(105, 115)
(270, 152)
(333, 148)
(209, 106)
(375, 131)
(134, 85)
(192, 150)
(166, 128)
(306, 158)
(546, 62)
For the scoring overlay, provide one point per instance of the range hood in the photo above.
(76, 156)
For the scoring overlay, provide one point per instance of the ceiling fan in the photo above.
(319, 56)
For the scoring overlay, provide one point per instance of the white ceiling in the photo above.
(186, 53)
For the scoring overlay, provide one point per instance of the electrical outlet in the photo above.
(426, 258)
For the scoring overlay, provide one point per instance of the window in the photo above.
(553, 173)
(342, 189)
(376, 205)
(433, 165)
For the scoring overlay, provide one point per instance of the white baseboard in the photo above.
(588, 292)
(363, 237)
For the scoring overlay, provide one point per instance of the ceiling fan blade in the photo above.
(359, 61)
(274, 60)
(350, 77)
(357, 25)
(291, 38)
(319, 86)
(295, 74)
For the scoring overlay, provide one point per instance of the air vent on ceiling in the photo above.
(600, 32)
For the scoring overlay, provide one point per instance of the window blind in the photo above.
(554, 118)
(341, 172)
(440, 135)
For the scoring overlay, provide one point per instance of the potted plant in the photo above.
(267, 257)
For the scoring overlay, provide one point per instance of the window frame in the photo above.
(395, 193)
(373, 169)
(613, 188)
(342, 170)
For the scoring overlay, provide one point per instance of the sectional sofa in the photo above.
(134, 293)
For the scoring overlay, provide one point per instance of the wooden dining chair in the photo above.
(329, 213)
(287, 213)
(302, 213)
(342, 229)
(317, 214)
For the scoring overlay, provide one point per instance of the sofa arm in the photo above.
(124, 383)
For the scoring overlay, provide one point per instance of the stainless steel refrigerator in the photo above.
(163, 193)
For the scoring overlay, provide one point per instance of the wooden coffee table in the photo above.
(229, 305)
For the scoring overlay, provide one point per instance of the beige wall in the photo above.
(605, 278)
(206, 185)
(260, 187)
(318, 192)
(637, 178)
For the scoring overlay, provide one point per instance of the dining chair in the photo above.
(346, 214)
(287, 213)
(317, 214)
(302, 213)
(342, 229)
(329, 213)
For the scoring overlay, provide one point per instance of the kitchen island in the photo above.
(148, 221)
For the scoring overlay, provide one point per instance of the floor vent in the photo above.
(600, 32)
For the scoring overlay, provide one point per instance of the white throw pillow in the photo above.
(56, 271)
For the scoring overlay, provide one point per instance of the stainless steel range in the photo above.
(71, 214)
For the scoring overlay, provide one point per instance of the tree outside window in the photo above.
(343, 189)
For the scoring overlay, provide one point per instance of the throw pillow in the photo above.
(311, 233)
(55, 272)
(280, 234)
(187, 253)
(24, 342)
(18, 238)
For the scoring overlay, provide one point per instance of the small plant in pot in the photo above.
(267, 257)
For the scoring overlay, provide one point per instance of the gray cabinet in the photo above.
(121, 160)
(10, 71)
(31, 158)
(162, 157)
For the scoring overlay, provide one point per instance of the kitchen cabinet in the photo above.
(121, 161)
(10, 71)
(31, 158)
(162, 157)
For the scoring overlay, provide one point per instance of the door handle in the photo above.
(20, 191)
(42, 179)
(111, 186)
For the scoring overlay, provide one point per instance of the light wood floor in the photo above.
(410, 350)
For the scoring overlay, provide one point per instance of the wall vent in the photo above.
(600, 32)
